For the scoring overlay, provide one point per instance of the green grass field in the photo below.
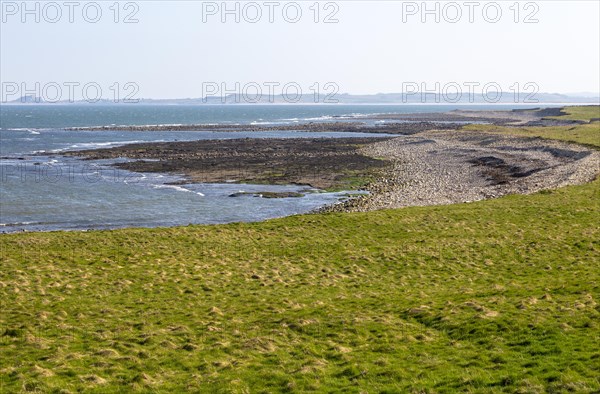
(494, 296)
(583, 113)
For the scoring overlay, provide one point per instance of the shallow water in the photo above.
(42, 190)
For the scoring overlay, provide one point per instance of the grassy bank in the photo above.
(493, 296)
(583, 113)
(586, 134)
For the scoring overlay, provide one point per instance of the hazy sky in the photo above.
(375, 46)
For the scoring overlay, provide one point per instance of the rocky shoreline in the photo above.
(322, 163)
(437, 168)
(399, 127)
(434, 161)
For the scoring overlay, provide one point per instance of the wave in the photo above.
(332, 117)
(94, 145)
(316, 119)
(30, 130)
(324, 117)
(178, 188)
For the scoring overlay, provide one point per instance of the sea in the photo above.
(42, 190)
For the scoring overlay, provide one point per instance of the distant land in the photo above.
(345, 98)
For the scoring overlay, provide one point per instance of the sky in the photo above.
(179, 49)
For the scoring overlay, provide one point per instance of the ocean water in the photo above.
(62, 116)
(42, 190)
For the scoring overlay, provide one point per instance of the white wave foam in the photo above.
(178, 188)
(27, 129)
(94, 145)
(324, 117)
